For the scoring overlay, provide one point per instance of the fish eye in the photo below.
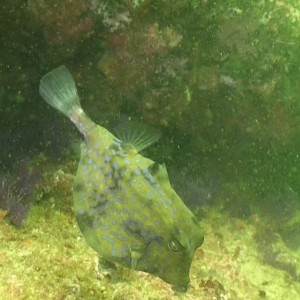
(173, 246)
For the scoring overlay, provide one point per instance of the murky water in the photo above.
(219, 79)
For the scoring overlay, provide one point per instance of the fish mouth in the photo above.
(180, 288)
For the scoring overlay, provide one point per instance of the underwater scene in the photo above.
(149, 149)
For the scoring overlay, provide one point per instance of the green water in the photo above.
(220, 79)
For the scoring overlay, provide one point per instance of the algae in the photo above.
(48, 259)
(220, 79)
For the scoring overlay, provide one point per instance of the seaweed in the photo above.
(16, 192)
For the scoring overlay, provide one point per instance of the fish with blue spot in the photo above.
(124, 203)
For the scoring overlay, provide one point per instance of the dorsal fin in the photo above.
(136, 136)
(159, 172)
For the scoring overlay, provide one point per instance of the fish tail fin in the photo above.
(58, 89)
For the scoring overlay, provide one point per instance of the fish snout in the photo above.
(180, 283)
(179, 280)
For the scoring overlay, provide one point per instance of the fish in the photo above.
(124, 203)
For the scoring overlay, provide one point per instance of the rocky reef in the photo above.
(218, 78)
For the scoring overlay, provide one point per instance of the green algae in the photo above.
(48, 259)
(238, 60)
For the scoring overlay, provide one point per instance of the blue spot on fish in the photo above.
(115, 165)
(81, 211)
(119, 236)
(108, 238)
(113, 251)
(105, 227)
(165, 204)
(137, 171)
(124, 250)
(132, 211)
(148, 175)
(95, 223)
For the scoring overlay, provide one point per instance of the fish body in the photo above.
(124, 203)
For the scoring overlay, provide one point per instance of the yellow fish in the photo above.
(124, 203)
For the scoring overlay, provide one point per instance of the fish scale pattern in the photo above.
(122, 207)
(124, 203)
